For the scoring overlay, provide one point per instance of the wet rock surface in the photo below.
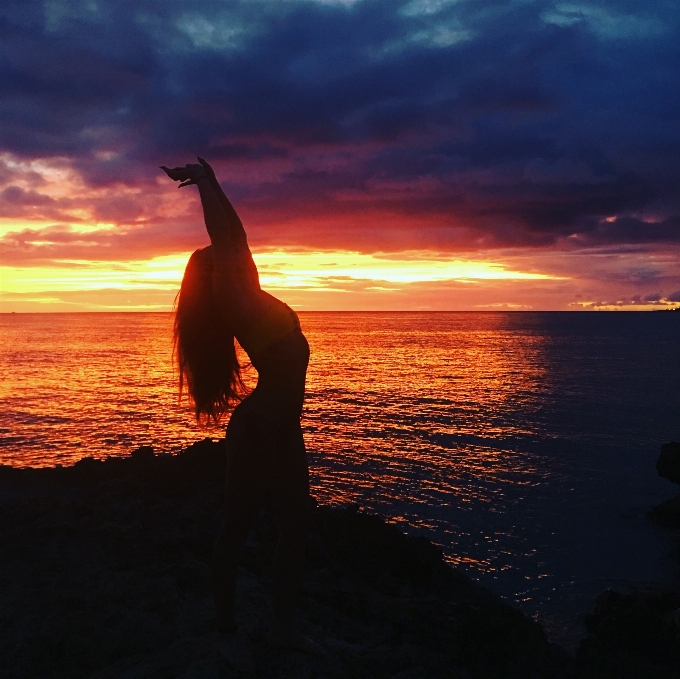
(104, 573)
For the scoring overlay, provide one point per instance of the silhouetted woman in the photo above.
(221, 299)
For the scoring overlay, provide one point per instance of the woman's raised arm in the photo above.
(235, 224)
(227, 235)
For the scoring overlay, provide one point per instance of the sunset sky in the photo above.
(423, 154)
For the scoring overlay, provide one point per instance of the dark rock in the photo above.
(86, 464)
(88, 469)
(206, 459)
(667, 513)
(632, 636)
(668, 464)
(105, 572)
(143, 453)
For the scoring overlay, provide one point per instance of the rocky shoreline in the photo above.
(105, 573)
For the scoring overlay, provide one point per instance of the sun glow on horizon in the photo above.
(283, 269)
(280, 270)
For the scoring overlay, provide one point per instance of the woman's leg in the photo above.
(283, 371)
(291, 497)
(285, 463)
(229, 543)
(242, 493)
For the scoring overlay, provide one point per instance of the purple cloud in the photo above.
(460, 126)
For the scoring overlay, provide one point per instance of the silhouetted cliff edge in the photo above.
(105, 573)
(668, 465)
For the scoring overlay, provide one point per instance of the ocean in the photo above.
(523, 444)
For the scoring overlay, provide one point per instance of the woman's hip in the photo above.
(265, 457)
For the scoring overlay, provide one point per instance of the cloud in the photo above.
(103, 299)
(605, 22)
(632, 303)
(370, 125)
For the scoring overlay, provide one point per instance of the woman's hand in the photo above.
(188, 175)
(210, 173)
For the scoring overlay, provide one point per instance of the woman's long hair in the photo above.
(204, 346)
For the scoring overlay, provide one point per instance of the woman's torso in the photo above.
(261, 331)
(269, 332)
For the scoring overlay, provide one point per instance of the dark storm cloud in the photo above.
(629, 230)
(521, 123)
